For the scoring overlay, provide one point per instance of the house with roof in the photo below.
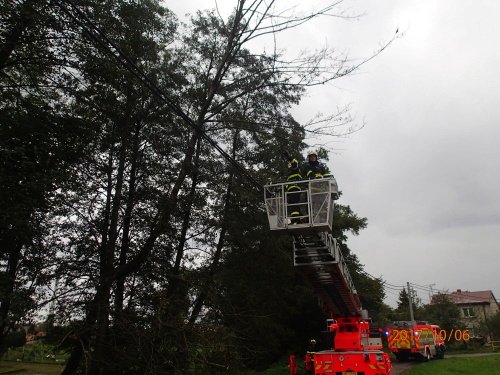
(475, 307)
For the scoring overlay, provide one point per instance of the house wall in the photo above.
(472, 315)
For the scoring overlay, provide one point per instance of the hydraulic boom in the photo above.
(354, 350)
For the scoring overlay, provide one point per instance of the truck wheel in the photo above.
(441, 352)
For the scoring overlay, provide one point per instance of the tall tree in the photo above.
(442, 311)
(140, 215)
(223, 77)
(491, 327)
(402, 311)
(40, 144)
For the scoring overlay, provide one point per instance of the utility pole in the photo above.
(411, 301)
(431, 293)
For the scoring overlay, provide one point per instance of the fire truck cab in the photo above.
(415, 339)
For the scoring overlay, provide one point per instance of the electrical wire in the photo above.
(391, 288)
(101, 38)
(384, 282)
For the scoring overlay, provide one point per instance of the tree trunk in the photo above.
(163, 216)
(7, 287)
(174, 279)
(200, 299)
(120, 282)
(76, 355)
(99, 360)
(161, 225)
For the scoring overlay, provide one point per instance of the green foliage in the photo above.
(38, 351)
(491, 327)
(14, 339)
(40, 142)
(266, 303)
(347, 221)
(371, 291)
(444, 312)
(384, 316)
(402, 312)
(154, 244)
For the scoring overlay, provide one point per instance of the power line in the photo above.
(393, 293)
(426, 287)
(421, 288)
(391, 288)
(384, 282)
(101, 38)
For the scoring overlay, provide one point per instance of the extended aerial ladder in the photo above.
(307, 215)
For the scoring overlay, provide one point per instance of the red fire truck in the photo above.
(416, 339)
(353, 348)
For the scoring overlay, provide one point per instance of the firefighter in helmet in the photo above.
(317, 189)
(309, 363)
(313, 168)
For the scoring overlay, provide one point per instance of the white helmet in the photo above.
(312, 153)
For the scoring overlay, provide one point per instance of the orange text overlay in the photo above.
(456, 334)
(441, 335)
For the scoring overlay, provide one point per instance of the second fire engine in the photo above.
(417, 339)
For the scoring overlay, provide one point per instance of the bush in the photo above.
(13, 340)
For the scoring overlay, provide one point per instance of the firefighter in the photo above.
(309, 363)
(293, 190)
(313, 168)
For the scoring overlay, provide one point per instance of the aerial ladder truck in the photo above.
(354, 349)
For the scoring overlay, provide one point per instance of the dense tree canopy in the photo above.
(117, 211)
(491, 327)
(443, 312)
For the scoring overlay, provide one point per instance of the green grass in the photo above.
(277, 369)
(6, 368)
(36, 352)
(30, 368)
(489, 365)
(472, 350)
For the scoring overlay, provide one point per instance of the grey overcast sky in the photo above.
(425, 170)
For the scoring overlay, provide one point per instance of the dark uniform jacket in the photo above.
(293, 175)
(314, 169)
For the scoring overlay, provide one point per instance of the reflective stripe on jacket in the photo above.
(314, 170)
(293, 176)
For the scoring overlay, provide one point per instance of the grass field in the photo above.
(30, 368)
(488, 365)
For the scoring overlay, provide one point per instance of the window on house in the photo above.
(468, 312)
